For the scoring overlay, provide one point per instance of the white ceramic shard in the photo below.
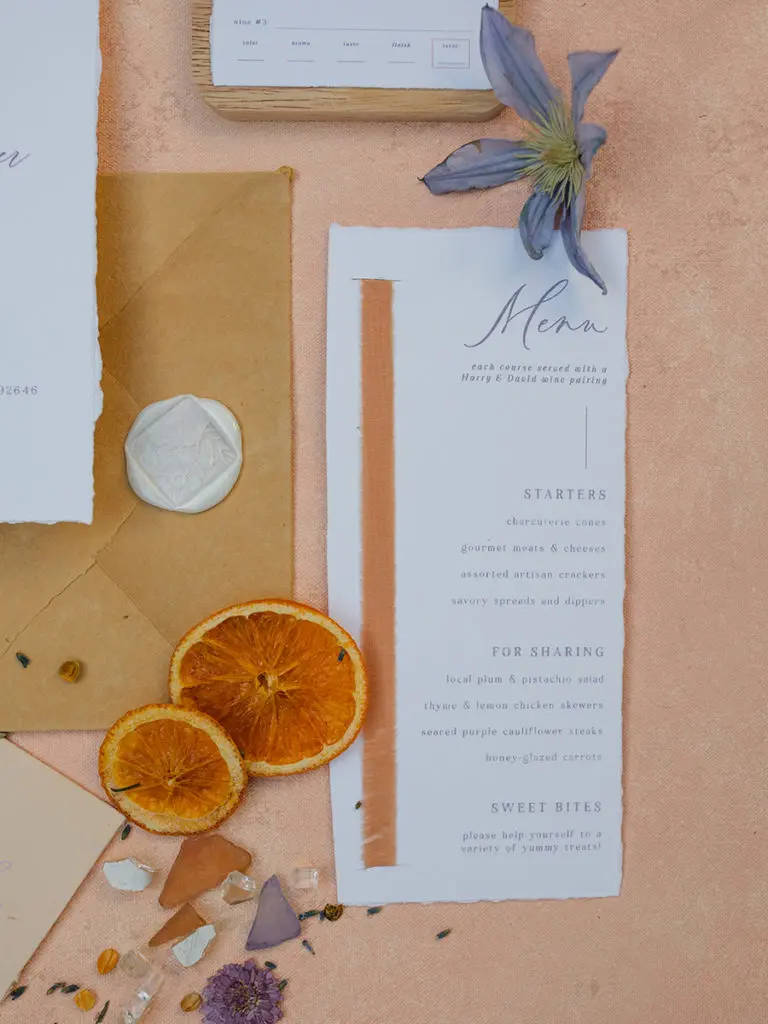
(184, 454)
(128, 875)
(191, 950)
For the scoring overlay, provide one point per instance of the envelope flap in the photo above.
(194, 292)
(143, 219)
(37, 562)
(214, 321)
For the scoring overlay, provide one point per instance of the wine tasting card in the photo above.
(476, 498)
(432, 44)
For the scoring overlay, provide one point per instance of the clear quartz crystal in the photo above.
(305, 878)
(135, 964)
(238, 888)
(142, 998)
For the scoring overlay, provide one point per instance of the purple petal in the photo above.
(275, 920)
(537, 223)
(513, 67)
(570, 229)
(590, 138)
(587, 68)
(482, 164)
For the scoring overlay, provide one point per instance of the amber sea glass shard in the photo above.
(202, 864)
(183, 923)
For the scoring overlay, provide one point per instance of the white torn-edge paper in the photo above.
(50, 365)
(510, 412)
(432, 44)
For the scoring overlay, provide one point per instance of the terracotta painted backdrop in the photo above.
(684, 171)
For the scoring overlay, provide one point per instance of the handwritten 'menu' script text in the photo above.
(12, 158)
(512, 311)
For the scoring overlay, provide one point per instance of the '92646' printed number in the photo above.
(9, 390)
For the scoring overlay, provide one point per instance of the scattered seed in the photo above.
(444, 934)
(69, 989)
(56, 987)
(126, 830)
(374, 910)
(107, 961)
(85, 999)
(191, 1002)
(22, 659)
(70, 671)
(341, 655)
(17, 993)
(358, 805)
(307, 946)
(270, 966)
(103, 1013)
(282, 984)
(125, 788)
(333, 911)
(309, 913)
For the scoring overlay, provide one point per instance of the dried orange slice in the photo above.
(286, 682)
(171, 771)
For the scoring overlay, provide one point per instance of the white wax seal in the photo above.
(184, 454)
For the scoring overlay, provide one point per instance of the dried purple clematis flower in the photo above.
(557, 152)
(242, 994)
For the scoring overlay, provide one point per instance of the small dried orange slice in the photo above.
(171, 770)
(286, 682)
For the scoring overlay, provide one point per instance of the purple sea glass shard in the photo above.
(275, 920)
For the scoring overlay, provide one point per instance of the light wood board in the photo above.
(242, 103)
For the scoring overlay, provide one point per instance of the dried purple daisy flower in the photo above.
(242, 994)
(557, 152)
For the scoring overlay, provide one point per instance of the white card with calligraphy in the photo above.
(476, 503)
(50, 365)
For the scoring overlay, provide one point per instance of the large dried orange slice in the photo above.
(286, 682)
(171, 770)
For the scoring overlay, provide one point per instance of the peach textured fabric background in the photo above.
(684, 171)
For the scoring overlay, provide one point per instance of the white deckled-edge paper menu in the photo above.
(432, 44)
(50, 365)
(508, 423)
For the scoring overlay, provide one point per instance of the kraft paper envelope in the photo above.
(194, 297)
(53, 832)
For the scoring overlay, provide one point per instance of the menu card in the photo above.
(50, 364)
(476, 503)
